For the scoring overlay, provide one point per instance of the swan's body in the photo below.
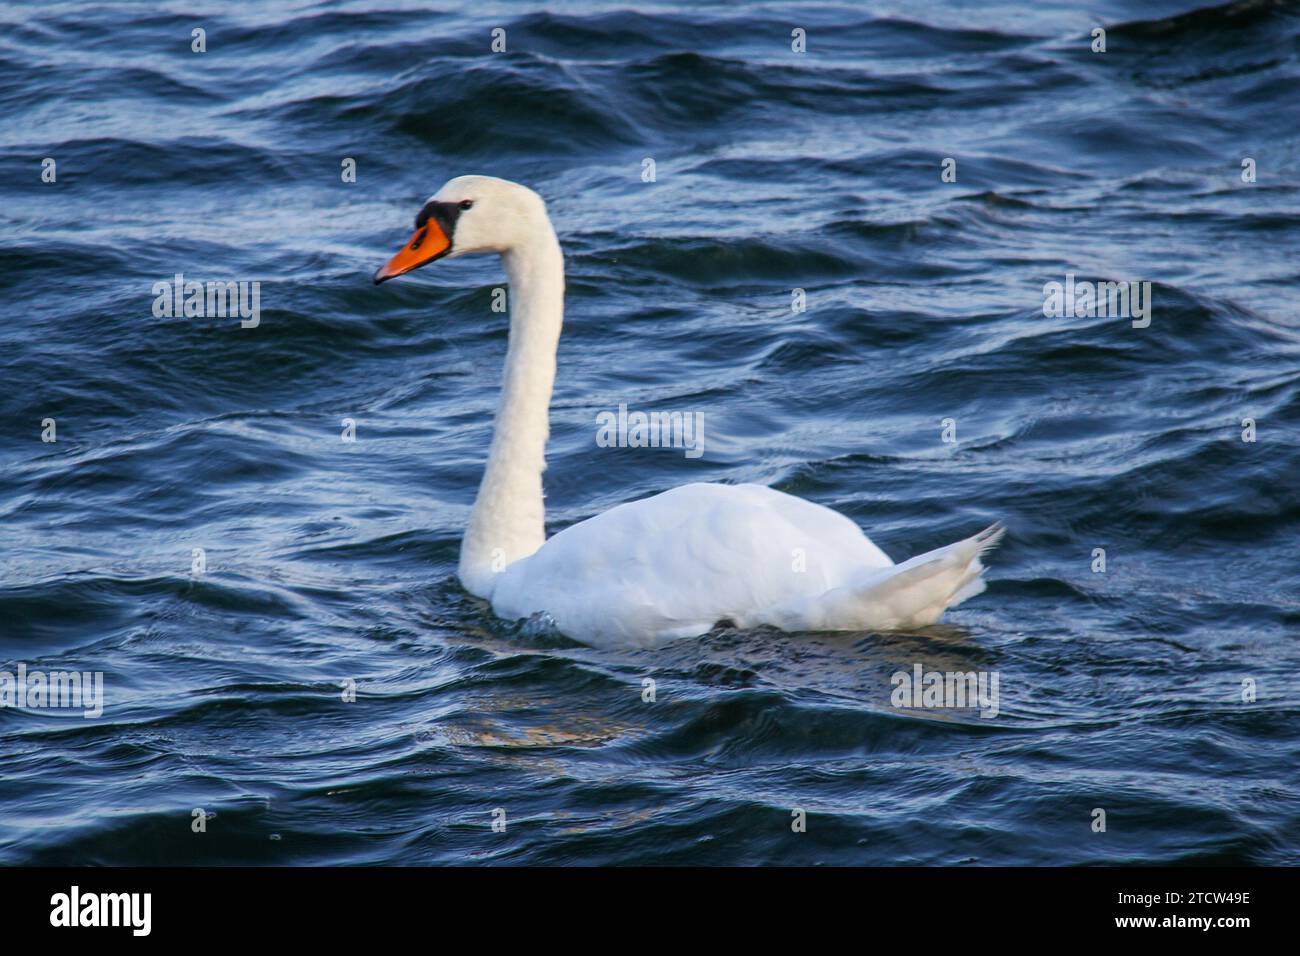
(676, 564)
(664, 567)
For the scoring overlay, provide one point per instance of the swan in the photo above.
(673, 565)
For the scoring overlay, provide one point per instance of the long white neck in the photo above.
(509, 517)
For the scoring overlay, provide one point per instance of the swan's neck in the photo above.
(508, 520)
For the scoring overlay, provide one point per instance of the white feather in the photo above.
(676, 564)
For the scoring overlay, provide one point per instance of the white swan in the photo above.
(665, 567)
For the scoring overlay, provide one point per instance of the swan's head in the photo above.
(470, 214)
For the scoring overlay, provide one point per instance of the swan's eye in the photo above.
(467, 204)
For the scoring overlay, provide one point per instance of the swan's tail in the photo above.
(912, 594)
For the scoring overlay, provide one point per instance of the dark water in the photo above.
(330, 561)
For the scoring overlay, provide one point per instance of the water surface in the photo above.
(329, 561)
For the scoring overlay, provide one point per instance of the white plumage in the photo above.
(675, 564)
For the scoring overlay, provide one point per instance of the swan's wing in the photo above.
(912, 594)
(677, 563)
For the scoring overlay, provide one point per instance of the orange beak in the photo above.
(428, 243)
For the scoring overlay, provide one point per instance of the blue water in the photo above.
(331, 561)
